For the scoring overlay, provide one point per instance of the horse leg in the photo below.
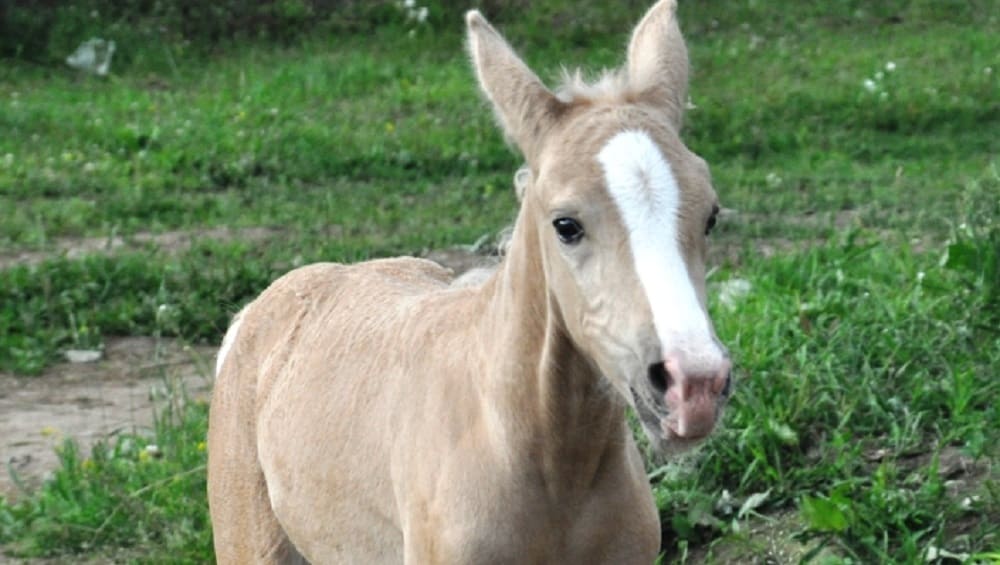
(246, 530)
(245, 527)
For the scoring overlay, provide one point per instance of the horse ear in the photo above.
(658, 60)
(526, 109)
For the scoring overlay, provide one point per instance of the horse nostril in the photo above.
(659, 377)
(728, 387)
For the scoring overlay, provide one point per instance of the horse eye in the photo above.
(569, 230)
(711, 220)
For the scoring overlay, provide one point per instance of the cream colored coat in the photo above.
(376, 413)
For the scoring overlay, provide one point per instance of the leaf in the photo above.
(962, 256)
(682, 526)
(701, 514)
(822, 514)
(753, 502)
(784, 432)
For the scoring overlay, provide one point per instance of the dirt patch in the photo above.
(766, 539)
(170, 242)
(91, 401)
(94, 401)
(736, 252)
(808, 229)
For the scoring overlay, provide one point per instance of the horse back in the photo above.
(299, 395)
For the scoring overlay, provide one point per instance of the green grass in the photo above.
(133, 492)
(873, 330)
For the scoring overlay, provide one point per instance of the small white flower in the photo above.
(409, 3)
(8, 159)
(920, 276)
(890, 66)
(879, 75)
(883, 96)
(725, 503)
(869, 85)
(988, 70)
(422, 14)
(89, 167)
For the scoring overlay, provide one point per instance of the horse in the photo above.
(378, 413)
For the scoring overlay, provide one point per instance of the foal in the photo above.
(375, 413)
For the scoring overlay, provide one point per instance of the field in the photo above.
(855, 271)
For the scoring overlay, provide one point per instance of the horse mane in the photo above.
(522, 180)
(611, 86)
(478, 275)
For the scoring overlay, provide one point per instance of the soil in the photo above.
(169, 242)
(90, 402)
(117, 393)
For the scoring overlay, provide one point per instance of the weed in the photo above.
(131, 491)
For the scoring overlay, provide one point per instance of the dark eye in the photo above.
(570, 231)
(711, 220)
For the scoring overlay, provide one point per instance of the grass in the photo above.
(867, 346)
(133, 492)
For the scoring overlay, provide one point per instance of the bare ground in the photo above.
(90, 401)
(94, 401)
(170, 242)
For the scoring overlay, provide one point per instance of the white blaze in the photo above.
(645, 191)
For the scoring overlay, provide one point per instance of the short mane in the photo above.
(611, 86)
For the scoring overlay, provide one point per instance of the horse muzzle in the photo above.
(687, 405)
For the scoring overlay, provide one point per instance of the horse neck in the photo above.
(551, 405)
